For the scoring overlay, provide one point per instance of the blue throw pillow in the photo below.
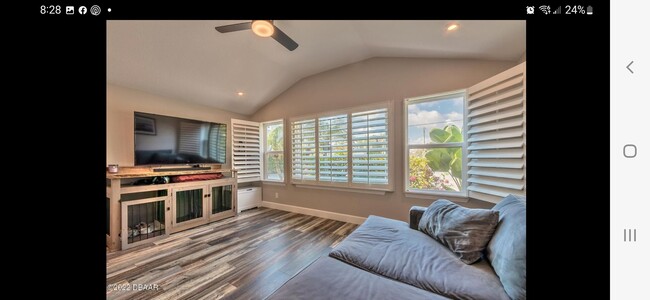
(464, 231)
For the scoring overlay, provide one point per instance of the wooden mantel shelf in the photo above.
(136, 172)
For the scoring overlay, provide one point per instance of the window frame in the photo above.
(429, 98)
(349, 185)
(263, 151)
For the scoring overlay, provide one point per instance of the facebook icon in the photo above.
(83, 10)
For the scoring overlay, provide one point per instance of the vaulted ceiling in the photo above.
(191, 61)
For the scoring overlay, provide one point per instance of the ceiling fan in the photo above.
(263, 28)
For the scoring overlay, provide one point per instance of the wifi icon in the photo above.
(545, 9)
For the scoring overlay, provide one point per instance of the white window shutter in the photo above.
(246, 147)
(348, 148)
(333, 149)
(303, 150)
(369, 132)
(496, 136)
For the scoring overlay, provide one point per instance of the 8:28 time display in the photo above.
(50, 9)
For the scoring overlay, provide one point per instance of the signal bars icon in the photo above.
(558, 11)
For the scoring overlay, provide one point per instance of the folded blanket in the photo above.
(194, 177)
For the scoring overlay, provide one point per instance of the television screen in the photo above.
(165, 140)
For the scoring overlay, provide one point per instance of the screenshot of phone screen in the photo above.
(429, 151)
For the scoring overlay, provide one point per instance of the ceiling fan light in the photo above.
(263, 28)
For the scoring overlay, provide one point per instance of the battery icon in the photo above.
(590, 10)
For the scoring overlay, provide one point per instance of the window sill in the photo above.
(372, 191)
(276, 183)
(457, 197)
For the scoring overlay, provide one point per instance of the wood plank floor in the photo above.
(245, 257)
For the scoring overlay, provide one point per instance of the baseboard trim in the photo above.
(315, 212)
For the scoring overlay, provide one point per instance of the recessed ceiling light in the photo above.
(452, 27)
(240, 93)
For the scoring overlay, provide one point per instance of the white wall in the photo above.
(121, 102)
(370, 81)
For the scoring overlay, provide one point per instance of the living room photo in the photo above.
(305, 159)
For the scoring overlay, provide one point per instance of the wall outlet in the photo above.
(276, 195)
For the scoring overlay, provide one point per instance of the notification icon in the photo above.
(95, 10)
(69, 10)
(82, 10)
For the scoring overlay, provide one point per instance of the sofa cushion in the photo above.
(507, 249)
(390, 248)
(464, 231)
(328, 278)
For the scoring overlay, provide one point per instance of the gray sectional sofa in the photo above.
(390, 259)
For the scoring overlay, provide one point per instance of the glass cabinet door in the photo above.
(221, 198)
(145, 220)
(188, 205)
(143, 217)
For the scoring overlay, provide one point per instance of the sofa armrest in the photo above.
(415, 213)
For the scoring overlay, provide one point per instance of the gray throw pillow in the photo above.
(465, 231)
(507, 249)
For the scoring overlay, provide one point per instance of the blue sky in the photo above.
(424, 116)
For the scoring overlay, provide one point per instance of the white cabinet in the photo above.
(198, 203)
(137, 214)
(249, 197)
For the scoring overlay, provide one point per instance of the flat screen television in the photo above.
(167, 140)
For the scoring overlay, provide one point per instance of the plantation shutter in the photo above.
(246, 148)
(303, 150)
(496, 136)
(333, 149)
(370, 147)
(190, 138)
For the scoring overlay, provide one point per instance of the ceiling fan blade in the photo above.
(233, 27)
(284, 39)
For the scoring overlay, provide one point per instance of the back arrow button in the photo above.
(628, 67)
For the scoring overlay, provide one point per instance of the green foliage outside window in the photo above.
(438, 168)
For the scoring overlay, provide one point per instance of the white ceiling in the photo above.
(191, 61)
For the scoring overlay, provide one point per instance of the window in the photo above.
(435, 144)
(370, 147)
(333, 149)
(273, 150)
(343, 149)
(246, 150)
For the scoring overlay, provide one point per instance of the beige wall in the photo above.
(370, 81)
(121, 102)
